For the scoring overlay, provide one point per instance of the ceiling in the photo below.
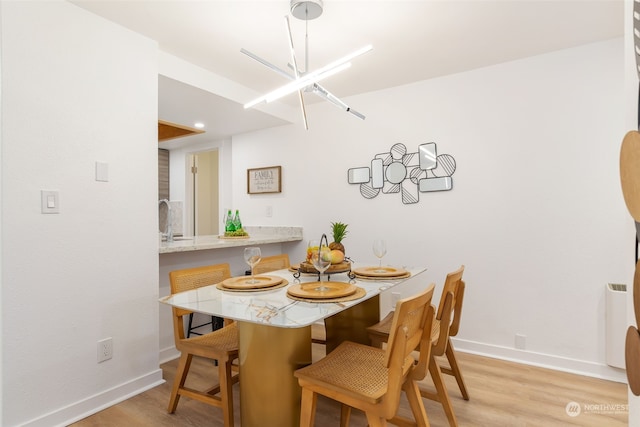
(412, 41)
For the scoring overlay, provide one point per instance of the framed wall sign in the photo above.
(264, 180)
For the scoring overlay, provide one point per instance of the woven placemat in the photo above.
(360, 292)
(376, 271)
(322, 290)
(270, 288)
(244, 282)
(383, 278)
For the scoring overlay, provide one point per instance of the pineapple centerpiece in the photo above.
(339, 231)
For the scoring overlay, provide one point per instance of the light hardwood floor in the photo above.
(503, 394)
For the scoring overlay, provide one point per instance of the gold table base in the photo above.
(352, 323)
(269, 393)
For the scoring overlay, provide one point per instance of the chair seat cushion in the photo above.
(353, 369)
(219, 344)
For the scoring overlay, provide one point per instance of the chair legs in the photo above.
(220, 395)
(226, 392)
(415, 403)
(455, 370)
(308, 408)
(441, 394)
(181, 375)
(375, 421)
(345, 415)
(420, 418)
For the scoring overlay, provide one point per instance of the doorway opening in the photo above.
(202, 190)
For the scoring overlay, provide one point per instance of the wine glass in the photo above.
(312, 247)
(252, 257)
(320, 260)
(379, 250)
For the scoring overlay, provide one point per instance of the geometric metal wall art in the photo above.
(406, 173)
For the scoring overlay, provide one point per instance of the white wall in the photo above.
(536, 212)
(76, 90)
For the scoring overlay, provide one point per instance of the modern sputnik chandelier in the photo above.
(305, 81)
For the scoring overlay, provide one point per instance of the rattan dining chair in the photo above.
(220, 345)
(371, 379)
(454, 368)
(272, 263)
(447, 320)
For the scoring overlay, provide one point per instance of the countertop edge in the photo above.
(257, 236)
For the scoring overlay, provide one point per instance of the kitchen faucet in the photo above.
(169, 233)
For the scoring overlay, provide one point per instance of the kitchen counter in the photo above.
(258, 235)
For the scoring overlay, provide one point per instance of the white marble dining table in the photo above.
(275, 335)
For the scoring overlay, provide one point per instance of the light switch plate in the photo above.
(50, 201)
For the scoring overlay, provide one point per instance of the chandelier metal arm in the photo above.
(300, 83)
(292, 52)
(268, 64)
(325, 94)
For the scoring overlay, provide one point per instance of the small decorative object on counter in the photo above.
(233, 226)
(224, 218)
(339, 231)
(229, 226)
(236, 221)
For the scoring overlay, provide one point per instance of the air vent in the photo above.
(617, 287)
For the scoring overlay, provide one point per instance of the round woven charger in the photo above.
(375, 271)
(382, 278)
(360, 292)
(270, 288)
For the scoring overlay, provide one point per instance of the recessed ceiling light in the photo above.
(199, 125)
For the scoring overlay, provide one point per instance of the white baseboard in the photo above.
(169, 353)
(96, 403)
(558, 363)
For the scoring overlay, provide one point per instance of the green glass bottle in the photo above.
(229, 227)
(237, 223)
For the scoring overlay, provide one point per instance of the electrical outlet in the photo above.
(105, 349)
